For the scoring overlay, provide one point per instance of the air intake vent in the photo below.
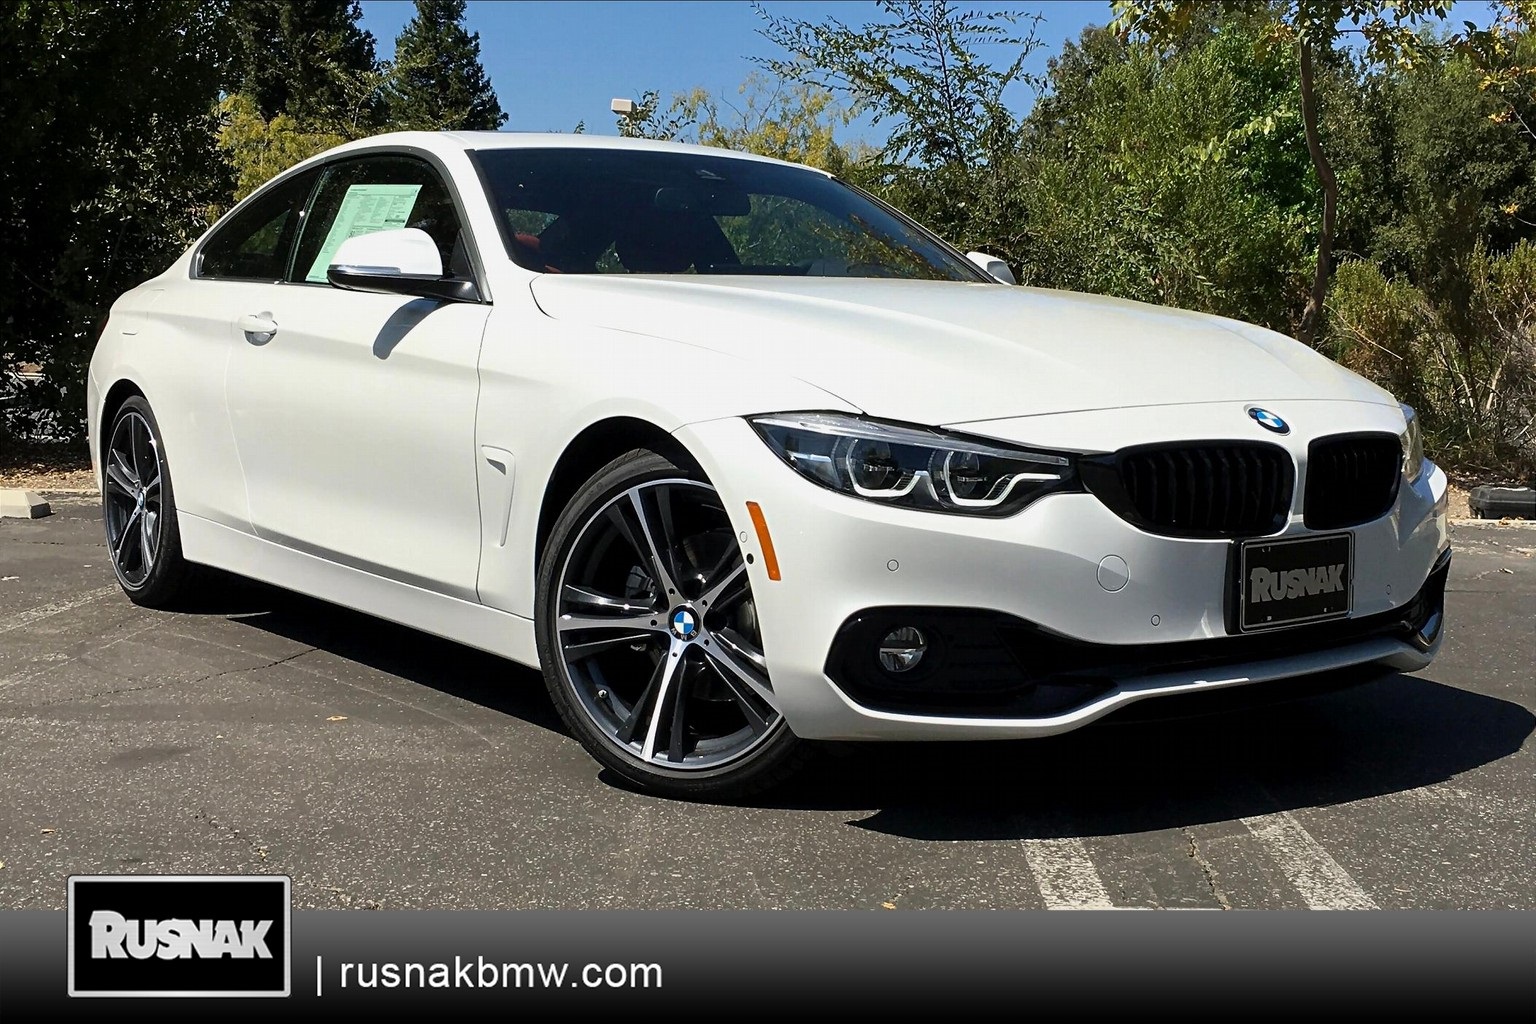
(1198, 488)
(1351, 479)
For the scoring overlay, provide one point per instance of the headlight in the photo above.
(1413, 446)
(911, 467)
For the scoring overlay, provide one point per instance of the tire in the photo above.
(139, 510)
(659, 686)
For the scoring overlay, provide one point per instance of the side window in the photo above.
(256, 242)
(381, 193)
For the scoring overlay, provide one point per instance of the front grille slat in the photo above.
(1197, 488)
(1226, 477)
(1351, 479)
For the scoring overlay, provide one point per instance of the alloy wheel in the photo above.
(657, 630)
(132, 489)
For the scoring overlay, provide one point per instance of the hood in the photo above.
(938, 352)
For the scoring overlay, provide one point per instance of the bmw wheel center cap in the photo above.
(1268, 420)
(685, 624)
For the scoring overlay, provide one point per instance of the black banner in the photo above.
(759, 965)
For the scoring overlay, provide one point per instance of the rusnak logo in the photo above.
(179, 935)
(1285, 584)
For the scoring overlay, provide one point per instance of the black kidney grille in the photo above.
(1199, 489)
(1351, 479)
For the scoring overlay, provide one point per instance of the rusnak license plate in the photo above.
(1287, 582)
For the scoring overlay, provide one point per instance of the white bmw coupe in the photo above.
(742, 457)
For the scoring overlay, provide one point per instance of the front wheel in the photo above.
(649, 638)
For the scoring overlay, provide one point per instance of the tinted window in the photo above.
(256, 242)
(621, 211)
(382, 193)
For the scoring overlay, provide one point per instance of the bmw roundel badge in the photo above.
(1268, 420)
(685, 624)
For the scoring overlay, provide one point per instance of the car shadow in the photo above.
(451, 668)
(1114, 777)
(1396, 734)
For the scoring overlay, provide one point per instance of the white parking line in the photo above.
(1065, 876)
(1321, 880)
(32, 615)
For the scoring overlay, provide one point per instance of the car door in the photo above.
(353, 412)
(185, 330)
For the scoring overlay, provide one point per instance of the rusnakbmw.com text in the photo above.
(482, 973)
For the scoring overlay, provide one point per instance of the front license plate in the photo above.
(1287, 582)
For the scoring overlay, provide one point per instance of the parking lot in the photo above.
(380, 767)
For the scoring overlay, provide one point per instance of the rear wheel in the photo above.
(649, 638)
(139, 507)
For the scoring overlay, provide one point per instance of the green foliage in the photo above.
(1504, 52)
(1469, 369)
(259, 149)
(108, 168)
(304, 79)
(304, 58)
(918, 69)
(951, 158)
(1455, 176)
(1388, 27)
(438, 83)
(1171, 178)
(785, 120)
(1308, 28)
(648, 121)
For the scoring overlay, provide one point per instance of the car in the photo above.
(745, 459)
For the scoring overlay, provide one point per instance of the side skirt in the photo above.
(488, 629)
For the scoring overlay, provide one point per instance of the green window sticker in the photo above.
(364, 210)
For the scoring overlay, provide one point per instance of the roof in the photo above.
(542, 140)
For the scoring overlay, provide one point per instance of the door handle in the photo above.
(258, 327)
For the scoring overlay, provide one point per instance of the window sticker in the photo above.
(364, 210)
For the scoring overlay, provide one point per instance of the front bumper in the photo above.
(841, 558)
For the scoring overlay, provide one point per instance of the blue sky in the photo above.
(554, 64)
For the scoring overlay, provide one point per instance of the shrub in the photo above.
(1469, 371)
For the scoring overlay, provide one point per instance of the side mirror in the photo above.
(993, 266)
(400, 262)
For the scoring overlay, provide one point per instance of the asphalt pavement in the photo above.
(383, 768)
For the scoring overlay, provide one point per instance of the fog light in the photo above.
(902, 649)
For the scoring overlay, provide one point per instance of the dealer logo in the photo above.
(179, 935)
(1288, 584)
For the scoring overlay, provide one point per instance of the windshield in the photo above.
(625, 211)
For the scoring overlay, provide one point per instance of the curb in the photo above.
(16, 503)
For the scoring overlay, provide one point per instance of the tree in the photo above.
(787, 121)
(646, 119)
(1170, 177)
(438, 83)
(950, 156)
(304, 58)
(108, 167)
(304, 79)
(920, 70)
(1312, 27)
(259, 149)
(1505, 53)
(1456, 176)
